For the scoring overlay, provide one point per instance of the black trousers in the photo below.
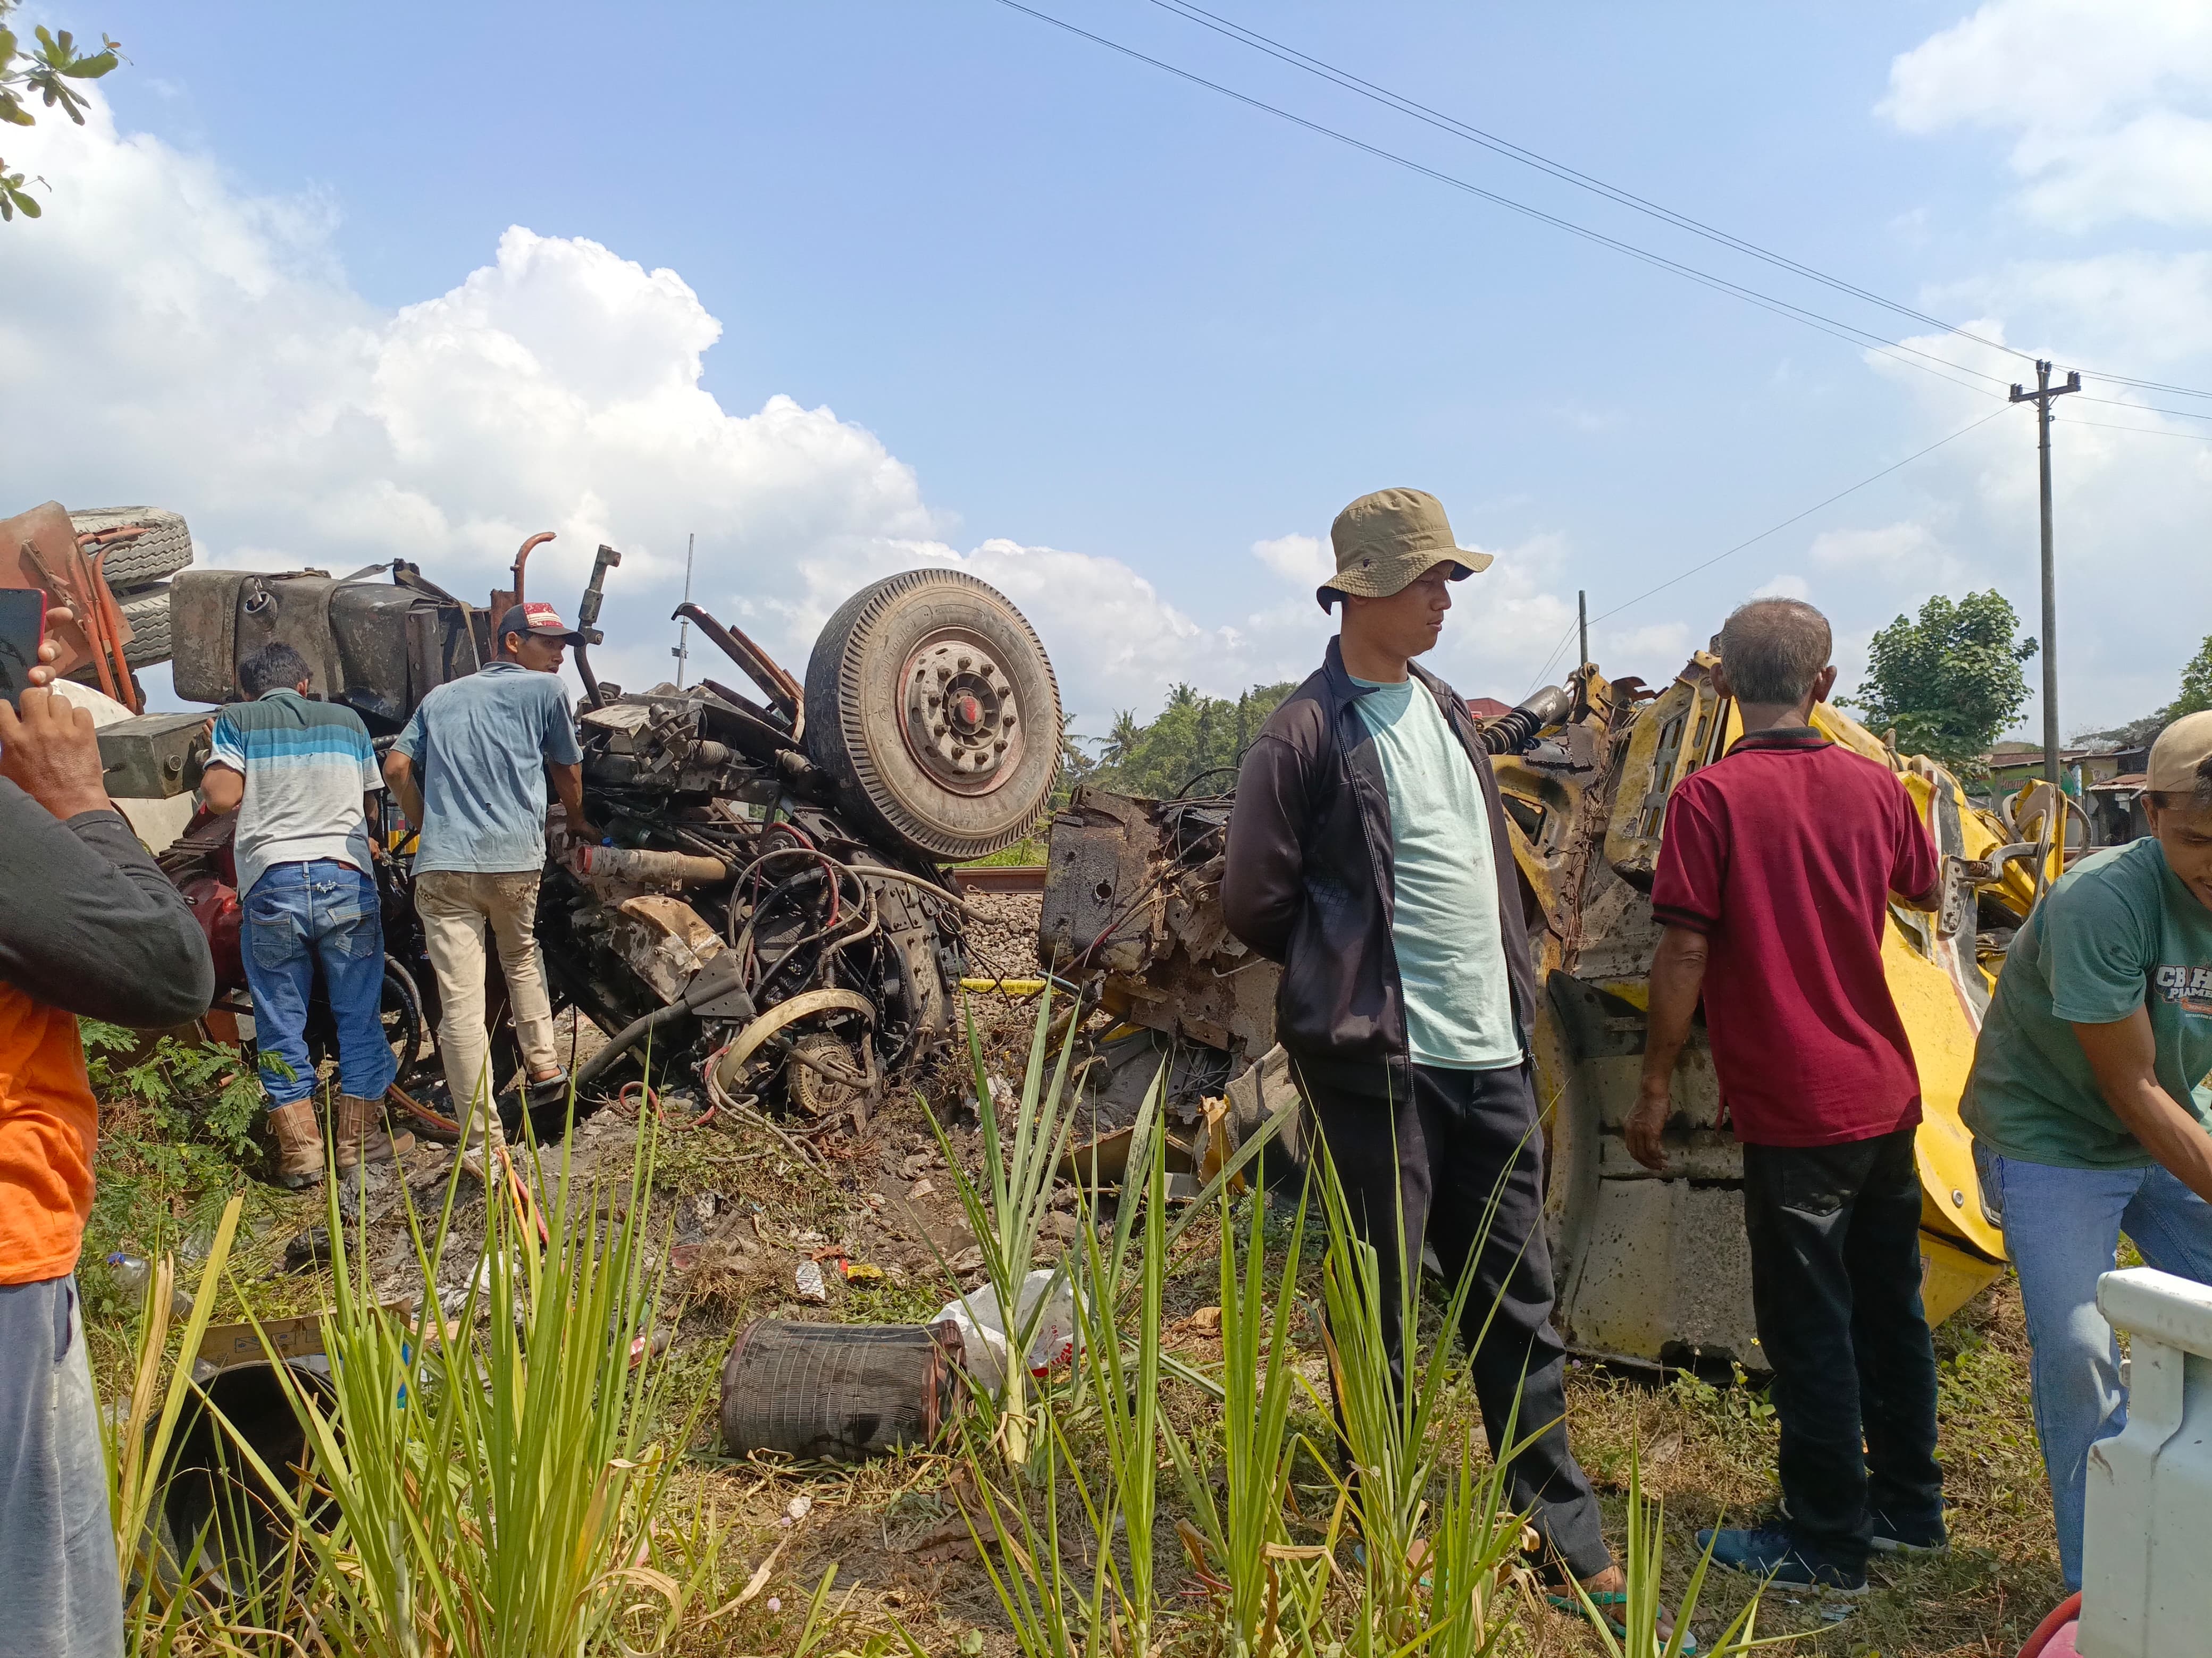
(1835, 1285)
(1441, 1154)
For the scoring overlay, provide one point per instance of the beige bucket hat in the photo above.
(2181, 759)
(1387, 541)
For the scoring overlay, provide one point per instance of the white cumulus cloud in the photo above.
(175, 339)
(2107, 99)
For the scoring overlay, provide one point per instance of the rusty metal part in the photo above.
(665, 942)
(840, 1393)
(504, 600)
(648, 869)
(118, 632)
(825, 1075)
(587, 620)
(777, 685)
(728, 1062)
(963, 722)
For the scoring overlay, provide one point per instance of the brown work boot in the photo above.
(299, 1144)
(362, 1135)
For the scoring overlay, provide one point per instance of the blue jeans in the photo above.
(296, 915)
(62, 1596)
(2062, 1230)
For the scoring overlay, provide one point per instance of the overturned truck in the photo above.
(766, 915)
(1651, 1268)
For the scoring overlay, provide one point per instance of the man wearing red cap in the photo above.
(470, 771)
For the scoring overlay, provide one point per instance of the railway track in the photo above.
(1002, 877)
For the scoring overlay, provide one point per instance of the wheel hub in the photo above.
(963, 725)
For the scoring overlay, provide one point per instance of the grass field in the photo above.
(893, 1529)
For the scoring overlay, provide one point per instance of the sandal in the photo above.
(1613, 1598)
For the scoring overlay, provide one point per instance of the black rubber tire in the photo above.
(164, 549)
(147, 610)
(854, 687)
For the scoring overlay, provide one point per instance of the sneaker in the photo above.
(1778, 1557)
(1892, 1536)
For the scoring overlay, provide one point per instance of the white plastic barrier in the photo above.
(2146, 1536)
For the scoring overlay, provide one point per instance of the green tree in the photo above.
(1196, 741)
(1949, 680)
(2195, 686)
(43, 73)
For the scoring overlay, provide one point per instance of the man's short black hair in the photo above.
(275, 666)
(1773, 649)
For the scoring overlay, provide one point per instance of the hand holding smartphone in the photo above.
(48, 748)
(22, 634)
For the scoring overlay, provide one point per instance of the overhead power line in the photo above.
(1771, 530)
(1560, 170)
(1852, 332)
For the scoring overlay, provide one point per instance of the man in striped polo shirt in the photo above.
(303, 778)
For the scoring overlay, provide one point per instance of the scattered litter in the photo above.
(859, 1269)
(310, 1250)
(131, 1273)
(983, 1332)
(799, 1506)
(809, 1282)
(922, 1188)
(683, 1257)
(705, 1206)
(837, 1393)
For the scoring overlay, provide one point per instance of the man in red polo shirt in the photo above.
(1778, 865)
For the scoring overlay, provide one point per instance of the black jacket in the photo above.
(90, 924)
(1309, 883)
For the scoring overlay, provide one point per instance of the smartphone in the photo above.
(22, 627)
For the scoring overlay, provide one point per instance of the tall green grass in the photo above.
(493, 1481)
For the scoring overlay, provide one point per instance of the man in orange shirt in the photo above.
(88, 924)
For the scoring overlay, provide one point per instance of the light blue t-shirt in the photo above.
(1445, 927)
(480, 746)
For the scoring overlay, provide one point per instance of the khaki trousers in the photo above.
(455, 907)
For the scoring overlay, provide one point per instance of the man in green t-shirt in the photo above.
(2090, 1100)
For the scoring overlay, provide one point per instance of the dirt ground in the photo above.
(735, 1213)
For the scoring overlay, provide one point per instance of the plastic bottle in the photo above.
(130, 1274)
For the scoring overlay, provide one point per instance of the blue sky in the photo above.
(1119, 343)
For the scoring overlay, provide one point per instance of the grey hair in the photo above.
(275, 666)
(1773, 649)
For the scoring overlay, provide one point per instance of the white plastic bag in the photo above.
(983, 1335)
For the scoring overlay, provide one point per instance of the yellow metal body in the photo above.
(1653, 1269)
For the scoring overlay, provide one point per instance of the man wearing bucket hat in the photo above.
(470, 771)
(2088, 1100)
(1368, 855)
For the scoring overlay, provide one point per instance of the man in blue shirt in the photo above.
(302, 775)
(470, 771)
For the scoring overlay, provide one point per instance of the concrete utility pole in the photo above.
(682, 651)
(2041, 396)
(1582, 623)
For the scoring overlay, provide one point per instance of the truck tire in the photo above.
(147, 612)
(930, 702)
(164, 549)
